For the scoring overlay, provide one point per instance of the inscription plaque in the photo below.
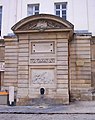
(43, 47)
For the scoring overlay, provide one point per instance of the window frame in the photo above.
(60, 9)
(33, 10)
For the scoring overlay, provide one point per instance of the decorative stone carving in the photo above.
(43, 60)
(42, 76)
(42, 25)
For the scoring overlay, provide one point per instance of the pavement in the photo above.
(78, 107)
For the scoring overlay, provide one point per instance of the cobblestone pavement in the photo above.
(47, 117)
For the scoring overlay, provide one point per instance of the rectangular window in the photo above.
(60, 9)
(0, 18)
(32, 9)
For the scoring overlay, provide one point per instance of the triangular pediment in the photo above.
(41, 22)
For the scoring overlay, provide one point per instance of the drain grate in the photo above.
(42, 106)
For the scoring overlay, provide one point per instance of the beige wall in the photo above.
(2, 51)
(93, 65)
(46, 54)
(80, 68)
(27, 62)
(2, 59)
(11, 60)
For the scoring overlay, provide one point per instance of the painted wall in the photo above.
(81, 13)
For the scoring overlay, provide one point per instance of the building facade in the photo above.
(80, 13)
(46, 58)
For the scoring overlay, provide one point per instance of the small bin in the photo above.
(4, 98)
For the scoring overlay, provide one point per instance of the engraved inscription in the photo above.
(42, 76)
(51, 60)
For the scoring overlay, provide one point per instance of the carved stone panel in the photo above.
(42, 76)
(42, 25)
(43, 60)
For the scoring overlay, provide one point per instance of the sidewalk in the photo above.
(79, 107)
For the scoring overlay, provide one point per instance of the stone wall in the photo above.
(11, 61)
(80, 68)
(2, 60)
(77, 81)
(23, 69)
(93, 65)
(46, 54)
(2, 50)
(62, 68)
(43, 58)
(58, 88)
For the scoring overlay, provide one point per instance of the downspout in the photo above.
(87, 15)
(16, 2)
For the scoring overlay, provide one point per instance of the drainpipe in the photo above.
(87, 14)
(16, 2)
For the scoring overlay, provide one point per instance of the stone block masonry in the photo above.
(11, 63)
(47, 56)
(80, 68)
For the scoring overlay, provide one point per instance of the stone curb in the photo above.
(40, 113)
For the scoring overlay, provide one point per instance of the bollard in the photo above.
(11, 95)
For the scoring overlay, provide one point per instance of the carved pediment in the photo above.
(41, 22)
(42, 25)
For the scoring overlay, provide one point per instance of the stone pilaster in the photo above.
(62, 70)
(23, 71)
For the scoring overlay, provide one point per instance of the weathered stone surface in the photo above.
(49, 58)
(80, 67)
